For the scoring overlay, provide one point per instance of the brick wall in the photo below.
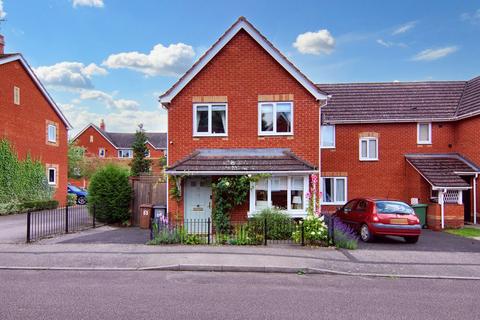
(453, 216)
(242, 72)
(25, 125)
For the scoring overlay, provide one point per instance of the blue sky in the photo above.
(111, 59)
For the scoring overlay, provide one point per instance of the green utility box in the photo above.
(421, 212)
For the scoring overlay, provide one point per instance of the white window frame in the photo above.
(298, 213)
(274, 132)
(16, 95)
(429, 141)
(209, 133)
(334, 137)
(335, 202)
(54, 140)
(122, 150)
(54, 182)
(100, 152)
(368, 140)
(148, 154)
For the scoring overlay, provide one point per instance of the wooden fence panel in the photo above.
(147, 190)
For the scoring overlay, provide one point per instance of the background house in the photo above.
(32, 121)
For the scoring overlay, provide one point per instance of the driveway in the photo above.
(13, 228)
(429, 241)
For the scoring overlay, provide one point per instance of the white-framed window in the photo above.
(368, 149)
(52, 133)
(275, 118)
(210, 119)
(91, 138)
(16, 95)
(284, 192)
(334, 190)
(52, 176)
(327, 136)
(125, 153)
(424, 133)
(101, 152)
(147, 153)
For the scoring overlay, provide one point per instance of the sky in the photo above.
(111, 59)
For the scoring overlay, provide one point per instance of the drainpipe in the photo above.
(475, 198)
(322, 104)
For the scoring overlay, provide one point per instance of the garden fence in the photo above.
(46, 223)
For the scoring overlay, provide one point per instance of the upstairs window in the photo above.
(101, 152)
(16, 95)
(125, 153)
(52, 133)
(210, 119)
(424, 133)
(327, 136)
(368, 149)
(91, 139)
(275, 118)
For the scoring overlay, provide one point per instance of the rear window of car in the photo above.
(392, 207)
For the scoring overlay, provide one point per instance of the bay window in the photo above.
(210, 119)
(282, 192)
(275, 118)
(334, 190)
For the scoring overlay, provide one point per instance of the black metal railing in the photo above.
(247, 232)
(46, 223)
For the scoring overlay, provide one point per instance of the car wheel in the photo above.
(81, 201)
(365, 233)
(411, 239)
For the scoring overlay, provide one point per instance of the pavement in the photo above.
(13, 228)
(205, 295)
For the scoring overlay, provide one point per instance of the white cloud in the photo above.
(69, 74)
(389, 44)
(123, 121)
(315, 42)
(2, 11)
(434, 54)
(88, 3)
(161, 61)
(473, 18)
(404, 28)
(109, 100)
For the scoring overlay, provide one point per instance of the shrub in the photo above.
(71, 199)
(314, 230)
(38, 205)
(110, 192)
(279, 224)
(345, 237)
(166, 236)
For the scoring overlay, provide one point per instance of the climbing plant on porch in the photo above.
(229, 192)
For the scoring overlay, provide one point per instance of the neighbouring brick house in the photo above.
(117, 147)
(243, 108)
(413, 141)
(32, 121)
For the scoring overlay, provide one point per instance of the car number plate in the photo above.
(398, 221)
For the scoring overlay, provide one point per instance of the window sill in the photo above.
(424, 143)
(368, 160)
(332, 203)
(210, 135)
(263, 134)
(321, 147)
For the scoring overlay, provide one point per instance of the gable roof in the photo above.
(241, 24)
(120, 140)
(6, 58)
(443, 170)
(470, 102)
(235, 161)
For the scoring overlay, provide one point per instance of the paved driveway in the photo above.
(429, 241)
(13, 228)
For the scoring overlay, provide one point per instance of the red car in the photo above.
(375, 217)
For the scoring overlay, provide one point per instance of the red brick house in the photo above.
(117, 147)
(243, 108)
(414, 141)
(32, 121)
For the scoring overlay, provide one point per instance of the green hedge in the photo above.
(11, 207)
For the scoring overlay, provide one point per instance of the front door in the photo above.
(198, 204)
(467, 205)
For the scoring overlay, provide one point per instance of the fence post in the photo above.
(333, 229)
(94, 215)
(303, 234)
(66, 219)
(208, 232)
(265, 231)
(28, 226)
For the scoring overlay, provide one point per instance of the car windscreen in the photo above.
(75, 189)
(393, 207)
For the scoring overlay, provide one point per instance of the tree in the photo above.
(110, 192)
(76, 160)
(140, 164)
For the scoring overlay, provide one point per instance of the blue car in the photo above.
(80, 193)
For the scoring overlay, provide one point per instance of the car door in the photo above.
(346, 212)
(360, 213)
